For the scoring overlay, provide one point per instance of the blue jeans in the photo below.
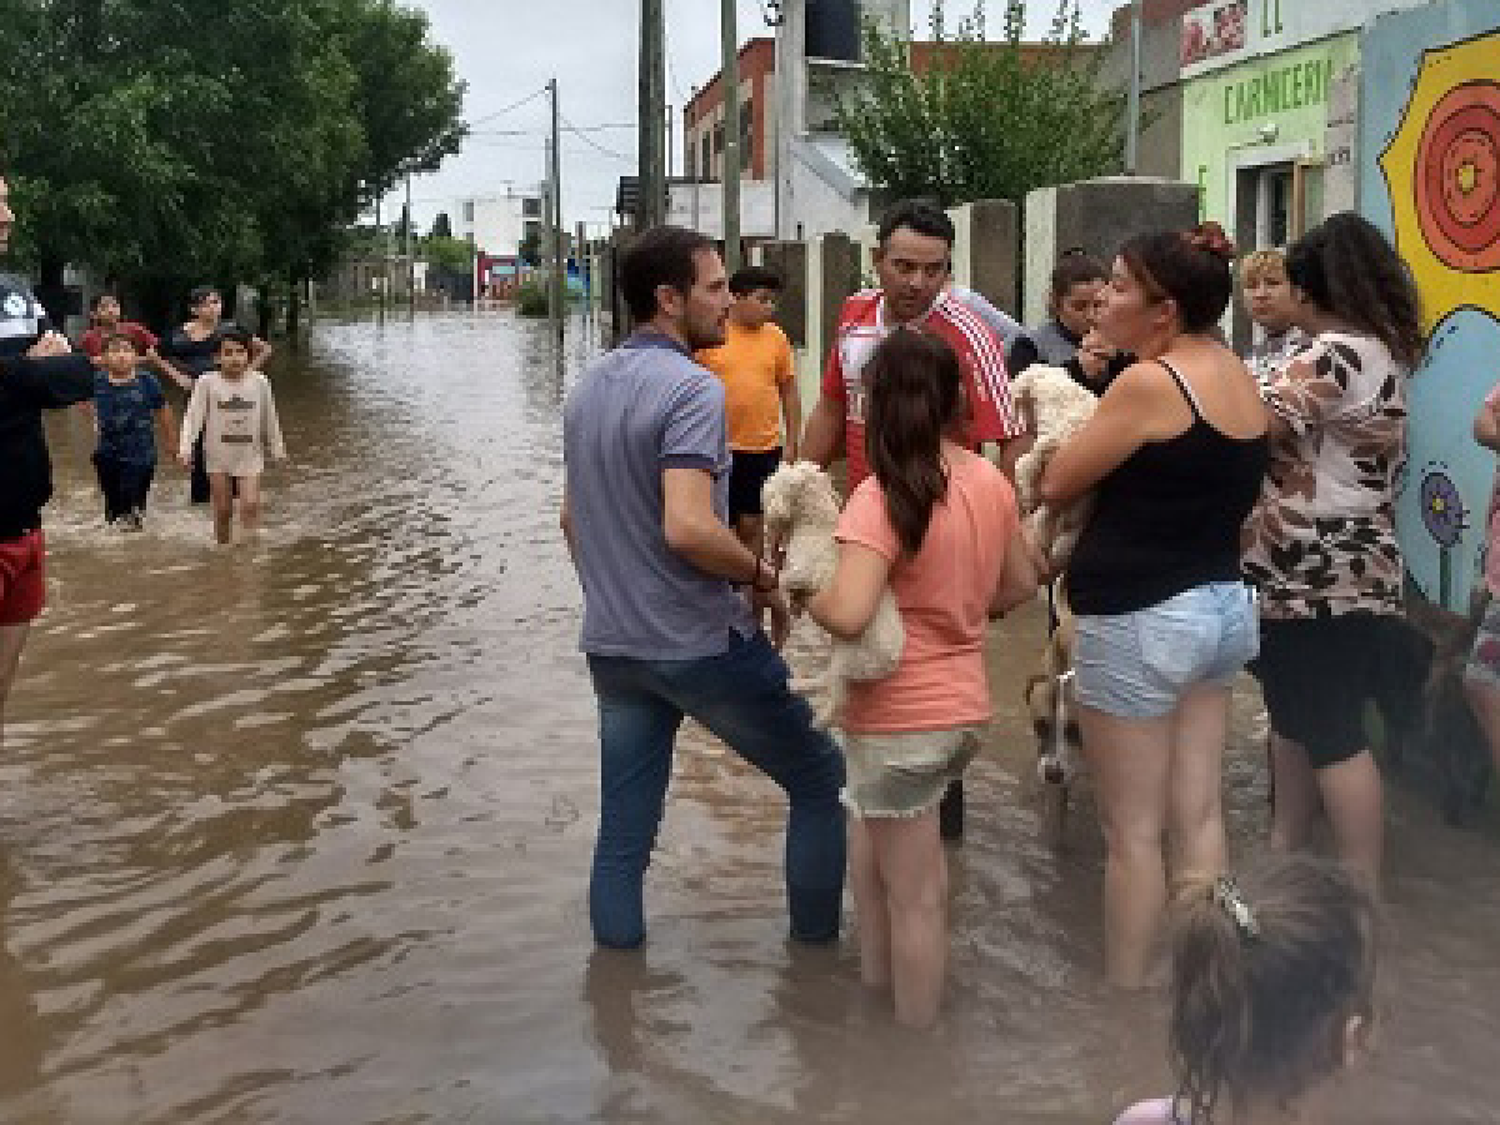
(743, 697)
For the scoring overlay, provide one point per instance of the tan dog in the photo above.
(1049, 704)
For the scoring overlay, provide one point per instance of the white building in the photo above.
(497, 224)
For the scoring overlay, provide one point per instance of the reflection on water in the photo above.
(298, 830)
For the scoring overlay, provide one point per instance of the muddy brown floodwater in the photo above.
(299, 831)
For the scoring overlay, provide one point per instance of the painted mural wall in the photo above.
(1430, 177)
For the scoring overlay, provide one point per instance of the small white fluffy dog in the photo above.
(1061, 407)
(802, 509)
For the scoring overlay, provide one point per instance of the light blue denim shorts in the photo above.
(1138, 665)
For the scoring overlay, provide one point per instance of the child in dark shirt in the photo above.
(131, 411)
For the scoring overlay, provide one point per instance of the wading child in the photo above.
(131, 412)
(234, 412)
(760, 395)
(939, 525)
(1268, 299)
(1272, 996)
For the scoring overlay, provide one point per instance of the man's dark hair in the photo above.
(235, 334)
(745, 281)
(200, 293)
(916, 215)
(114, 338)
(663, 255)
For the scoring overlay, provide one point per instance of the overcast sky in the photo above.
(507, 49)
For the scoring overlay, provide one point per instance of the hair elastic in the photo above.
(1226, 894)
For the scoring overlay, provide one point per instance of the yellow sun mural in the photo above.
(1442, 167)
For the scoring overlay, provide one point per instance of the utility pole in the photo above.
(651, 116)
(1133, 98)
(554, 174)
(729, 77)
(411, 262)
(384, 268)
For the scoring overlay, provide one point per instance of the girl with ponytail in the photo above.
(1272, 995)
(939, 526)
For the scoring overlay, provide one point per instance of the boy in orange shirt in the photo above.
(760, 395)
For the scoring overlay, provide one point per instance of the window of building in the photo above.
(718, 138)
(531, 207)
(747, 132)
(706, 166)
(468, 210)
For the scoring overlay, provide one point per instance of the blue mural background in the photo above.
(1443, 545)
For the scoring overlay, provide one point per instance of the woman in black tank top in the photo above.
(1175, 455)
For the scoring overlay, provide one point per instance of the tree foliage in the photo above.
(449, 255)
(165, 142)
(983, 122)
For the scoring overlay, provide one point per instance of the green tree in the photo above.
(170, 143)
(442, 226)
(983, 122)
(449, 255)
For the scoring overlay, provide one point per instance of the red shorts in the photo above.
(23, 578)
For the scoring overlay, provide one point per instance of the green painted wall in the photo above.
(1223, 114)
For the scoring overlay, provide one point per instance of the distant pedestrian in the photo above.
(1322, 543)
(1267, 295)
(232, 418)
(756, 366)
(938, 524)
(130, 412)
(670, 595)
(1272, 998)
(192, 349)
(38, 371)
(106, 320)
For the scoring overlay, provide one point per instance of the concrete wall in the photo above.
(814, 201)
(701, 207)
(1096, 216)
(1159, 151)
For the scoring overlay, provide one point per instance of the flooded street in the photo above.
(298, 831)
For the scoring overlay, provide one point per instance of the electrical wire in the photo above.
(586, 139)
(510, 108)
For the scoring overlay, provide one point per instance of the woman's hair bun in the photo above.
(1209, 236)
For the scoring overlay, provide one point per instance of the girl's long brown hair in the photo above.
(1259, 1016)
(913, 394)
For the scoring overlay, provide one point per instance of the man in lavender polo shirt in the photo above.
(672, 597)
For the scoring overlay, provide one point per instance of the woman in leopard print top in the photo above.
(1321, 544)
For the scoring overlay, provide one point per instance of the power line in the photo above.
(593, 143)
(532, 132)
(531, 97)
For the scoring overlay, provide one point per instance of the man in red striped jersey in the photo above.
(914, 258)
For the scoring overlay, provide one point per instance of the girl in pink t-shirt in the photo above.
(1273, 985)
(938, 525)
